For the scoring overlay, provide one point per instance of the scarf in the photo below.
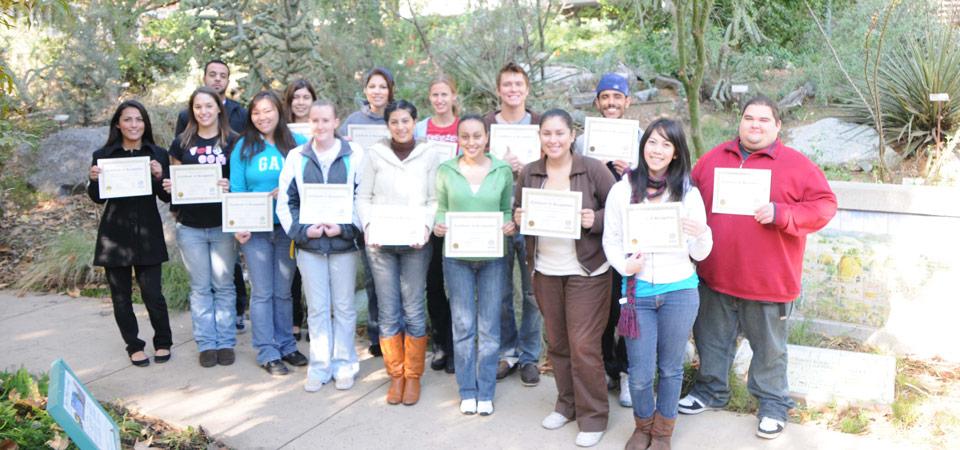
(628, 326)
(402, 150)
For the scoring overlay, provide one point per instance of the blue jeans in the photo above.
(209, 255)
(271, 306)
(665, 321)
(328, 281)
(524, 346)
(715, 332)
(400, 276)
(475, 289)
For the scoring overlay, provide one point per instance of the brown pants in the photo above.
(575, 310)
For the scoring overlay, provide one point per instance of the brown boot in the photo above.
(416, 351)
(641, 435)
(392, 348)
(661, 433)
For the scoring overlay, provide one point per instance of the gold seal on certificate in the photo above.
(195, 183)
(612, 139)
(740, 191)
(523, 141)
(124, 177)
(303, 129)
(326, 203)
(247, 211)
(367, 135)
(654, 228)
(397, 225)
(474, 235)
(446, 150)
(551, 213)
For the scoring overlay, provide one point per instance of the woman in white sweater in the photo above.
(660, 286)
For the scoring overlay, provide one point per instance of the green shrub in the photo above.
(64, 264)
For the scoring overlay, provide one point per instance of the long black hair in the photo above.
(562, 115)
(282, 137)
(116, 138)
(678, 172)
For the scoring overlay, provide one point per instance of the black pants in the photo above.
(121, 289)
(614, 347)
(242, 299)
(438, 307)
(296, 292)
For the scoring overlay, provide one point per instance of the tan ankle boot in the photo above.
(640, 439)
(393, 353)
(661, 433)
(415, 353)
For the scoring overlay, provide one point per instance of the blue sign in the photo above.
(80, 415)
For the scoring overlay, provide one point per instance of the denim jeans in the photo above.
(519, 346)
(400, 276)
(715, 332)
(328, 282)
(665, 321)
(475, 289)
(209, 256)
(271, 307)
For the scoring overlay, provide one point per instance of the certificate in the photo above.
(367, 135)
(124, 177)
(247, 211)
(397, 225)
(474, 235)
(195, 183)
(740, 191)
(523, 141)
(303, 129)
(326, 203)
(446, 150)
(654, 228)
(551, 213)
(612, 139)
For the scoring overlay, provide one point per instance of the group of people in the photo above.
(735, 273)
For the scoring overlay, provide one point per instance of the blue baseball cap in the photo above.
(613, 82)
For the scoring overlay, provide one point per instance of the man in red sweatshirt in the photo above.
(752, 276)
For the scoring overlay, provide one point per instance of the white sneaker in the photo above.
(625, 400)
(345, 383)
(312, 385)
(692, 405)
(585, 439)
(468, 406)
(770, 428)
(485, 407)
(554, 420)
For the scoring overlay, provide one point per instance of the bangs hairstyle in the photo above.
(398, 105)
(253, 143)
(292, 89)
(116, 137)
(678, 172)
(382, 73)
(189, 134)
(444, 79)
(512, 67)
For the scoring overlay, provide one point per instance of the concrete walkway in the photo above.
(247, 409)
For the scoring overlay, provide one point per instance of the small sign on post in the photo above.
(940, 97)
(739, 88)
(80, 415)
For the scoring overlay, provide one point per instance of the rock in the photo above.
(568, 76)
(582, 99)
(663, 82)
(646, 95)
(62, 162)
(833, 142)
(795, 99)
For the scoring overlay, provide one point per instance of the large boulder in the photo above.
(62, 162)
(833, 142)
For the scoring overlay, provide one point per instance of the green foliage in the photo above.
(165, 47)
(176, 285)
(854, 421)
(65, 264)
(908, 398)
(740, 399)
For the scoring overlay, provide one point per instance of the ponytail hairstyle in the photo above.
(252, 141)
(189, 134)
(678, 172)
(447, 80)
(473, 117)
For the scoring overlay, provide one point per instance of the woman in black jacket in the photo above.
(130, 235)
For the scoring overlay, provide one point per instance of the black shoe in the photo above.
(160, 359)
(530, 375)
(297, 336)
(276, 368)
(295, 359)
(226, 356)
(375, 350)
(504, 369)
(140, 362)
(439, 361)
(208, 358)
(451, 366)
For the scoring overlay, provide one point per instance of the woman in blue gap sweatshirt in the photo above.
(255, 166)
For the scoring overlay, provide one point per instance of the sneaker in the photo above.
(692, 405)
(485, 407)
(276, 368)
(588, 439)
(226, 356)
(295, 358)
(375, 350)
(529, 375)
(554, 420)
(208, 358)
(770, 428)
(625, 400)
(312, 385)
(504, 369)
(343, 384)
(468, 406)
(241, 327)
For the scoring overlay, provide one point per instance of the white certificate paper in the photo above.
(397, 225)
(247, 211)
(195, 183)
(326, 203)
(551, 213)
(523, 141)
(303, 129)
(612, 139)
(367, 135)
(740, 191)
(124, 177)
(474, 235)
(654, 228)
(446, 150)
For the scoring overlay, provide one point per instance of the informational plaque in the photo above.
(326, 203)
(474, 235)
(124, 177)
(822, 375)
(367, 135)
(447, 150)
(612, 139)
(195, 183)
(397, 225)
(301, 128)
(740, 191)
(551, 213)
(78, 412)
(654, 228)
(523, 141)
(247, 211)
